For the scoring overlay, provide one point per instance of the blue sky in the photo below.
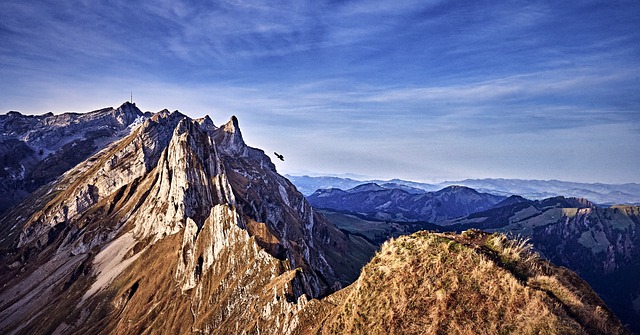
(421, 90)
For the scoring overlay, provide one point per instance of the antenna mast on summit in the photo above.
(131, 101)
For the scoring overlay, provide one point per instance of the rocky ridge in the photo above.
(35, 150)
(180, 209)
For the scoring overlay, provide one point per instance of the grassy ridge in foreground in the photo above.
(472, 283)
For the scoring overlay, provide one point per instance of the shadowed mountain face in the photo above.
(178, 227)
(35, 150)
(401, 204)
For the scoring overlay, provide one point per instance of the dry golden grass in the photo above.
(474, 283)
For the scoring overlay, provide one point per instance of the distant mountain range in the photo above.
(599, 193)
(398, 203)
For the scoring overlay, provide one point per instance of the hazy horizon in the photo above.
(365, 178)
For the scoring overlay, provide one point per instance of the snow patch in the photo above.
(137, 122)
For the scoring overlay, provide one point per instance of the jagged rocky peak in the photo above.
(127, 113)
(161, 221)
(230, 138)
(165, 115)
(206, 123)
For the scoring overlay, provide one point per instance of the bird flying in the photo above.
(279, 156)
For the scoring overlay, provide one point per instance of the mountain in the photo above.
(398, 204)
(599, 193)
(516, 209)
(604, 194)
(35, 150)
(178, 227)
(601, 244)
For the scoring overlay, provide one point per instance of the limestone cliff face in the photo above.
(180, 219)
(282, 220)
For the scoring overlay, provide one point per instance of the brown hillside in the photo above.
(473, 283)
